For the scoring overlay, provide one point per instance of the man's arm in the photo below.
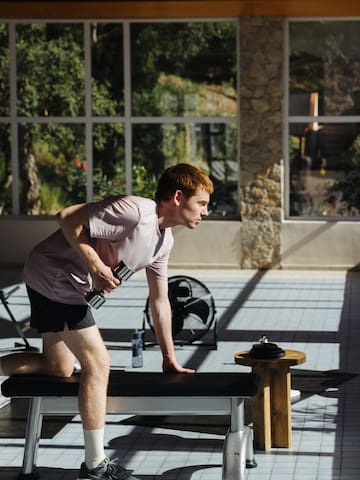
(161, 314)
(74, 223)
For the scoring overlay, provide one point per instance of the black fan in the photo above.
(193, 310)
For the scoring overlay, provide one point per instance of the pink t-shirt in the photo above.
(121, 228)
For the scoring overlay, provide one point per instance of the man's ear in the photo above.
(178, 197)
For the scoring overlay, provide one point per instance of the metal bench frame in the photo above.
(238, 451)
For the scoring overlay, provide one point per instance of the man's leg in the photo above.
(58, 359)
(91, 352)
(55, 359)
(59, 352)
(88, 347)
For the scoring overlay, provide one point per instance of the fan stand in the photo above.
(18, 347)
(182, 343)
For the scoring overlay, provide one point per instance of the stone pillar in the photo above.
(261, 91)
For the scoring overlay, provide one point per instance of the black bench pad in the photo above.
(141, 384)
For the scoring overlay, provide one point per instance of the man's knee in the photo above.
(59, 369)
(104, 363)
(97, 365)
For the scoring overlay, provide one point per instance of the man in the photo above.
(93, 238)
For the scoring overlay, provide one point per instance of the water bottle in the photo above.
(137, 349)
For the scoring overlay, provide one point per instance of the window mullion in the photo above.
(127, 106)
(285, 139)
(88, 113)
(13, 121)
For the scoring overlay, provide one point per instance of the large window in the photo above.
(324, 119)
(90, 109)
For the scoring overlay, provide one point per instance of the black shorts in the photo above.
(50, 316)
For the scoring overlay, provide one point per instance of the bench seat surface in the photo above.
(142, 384)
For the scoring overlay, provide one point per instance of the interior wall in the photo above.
(211, 245)
(216, 244)
(320, 244)
(20, 234)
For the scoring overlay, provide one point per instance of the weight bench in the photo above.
(145, 393)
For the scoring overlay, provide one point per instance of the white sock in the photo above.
(94, 447)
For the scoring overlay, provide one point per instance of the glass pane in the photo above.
(325, 63)
(4, 71)
(184, 69)
(50, 67)
(107, 69)
(109, 160)
(324, 170)
(5, 171)
(212, 147)
(53, 167)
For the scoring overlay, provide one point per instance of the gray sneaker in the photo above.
(106, 470)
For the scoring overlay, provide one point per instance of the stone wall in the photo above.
(261, 90)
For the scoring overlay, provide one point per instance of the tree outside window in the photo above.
(324, 119)
(88, 115)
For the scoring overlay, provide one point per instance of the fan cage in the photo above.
(193, 310)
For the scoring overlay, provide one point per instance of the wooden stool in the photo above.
(272, 404)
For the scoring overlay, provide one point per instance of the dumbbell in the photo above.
(96, 298)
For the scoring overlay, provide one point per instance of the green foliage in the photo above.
(143, 183)
(294, 150)
(107, 69)
(59, 152)
(5, 170)
(176, 68)
(105, 186)
(52, 197)
(51, 69)
(4, 71)
(315, 44)
(101, 102)
(199, 52)
(350, 186)
(352, 156)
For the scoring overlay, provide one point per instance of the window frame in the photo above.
(88, 120)
(288, 119)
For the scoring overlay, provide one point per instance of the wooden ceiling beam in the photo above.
(124, 9)
(147, 9)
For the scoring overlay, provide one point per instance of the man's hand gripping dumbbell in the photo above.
(96, 298)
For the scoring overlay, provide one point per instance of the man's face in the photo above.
(194, 208)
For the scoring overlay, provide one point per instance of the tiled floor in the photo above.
(312, 311)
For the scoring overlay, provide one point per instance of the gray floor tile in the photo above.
(313, 311)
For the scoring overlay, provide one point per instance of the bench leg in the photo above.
(238, 446)
(32, 438)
